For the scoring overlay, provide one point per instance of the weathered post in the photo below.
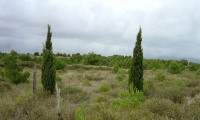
(58, 103)
(34, 79)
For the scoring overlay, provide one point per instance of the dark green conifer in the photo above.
(136, 70)
(48, 69)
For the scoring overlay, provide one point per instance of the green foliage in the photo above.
(12, 69)
(193, 66)
(198, 72)
(91, 59)
(36, 54)
(174, 67)
(59, 64)
(25, 57)
(75, 58)
(115, 68)
(159, 76)
(163, 107)
(104, 88)
(184, 62)
(192, 111)
(80, 113)
(129, 99)
(120, 76)
(48, 69)
(136, 70)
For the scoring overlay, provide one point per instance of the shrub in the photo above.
(163, 107)
(129, 100)
(104, 88)
(193, 83)
(191, 111)
(173, 93)
(91, 59)
(115, 68)
(25, 57)
(174, 67)
(193, 66)
(81, 112)
(28, 64)
(59, 65)
(149, 89)
(12, 69)
(198, 72)
(120, 76)
(159, 76)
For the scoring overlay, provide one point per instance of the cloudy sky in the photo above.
(170, 27)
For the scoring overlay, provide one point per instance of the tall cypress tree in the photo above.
(48, 69)
(136, 70)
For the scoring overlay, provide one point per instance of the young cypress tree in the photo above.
(136, 70)
(48, 69)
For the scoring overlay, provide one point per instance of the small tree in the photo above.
(136, 70)
(13, 71)
(174, 67)
(48, 69)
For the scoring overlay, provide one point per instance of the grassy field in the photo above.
(97, 93)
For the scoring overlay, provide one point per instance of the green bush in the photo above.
(120, 76)
(25, 57)
(193, 66)
(13, 71)
(59, 64)
(173, 93)
(174, 67)
(159, 76)
(91, 59)
(129, 100)
(115, 68)
(164, 107)
(149, 89)
(198, 72)
(81, 112)
(104, 88)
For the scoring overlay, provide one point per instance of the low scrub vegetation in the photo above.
(170, 90)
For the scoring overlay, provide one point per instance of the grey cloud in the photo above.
(170, 27)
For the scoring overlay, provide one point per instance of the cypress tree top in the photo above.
(48, 44)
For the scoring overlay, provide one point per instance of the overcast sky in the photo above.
(107, 27)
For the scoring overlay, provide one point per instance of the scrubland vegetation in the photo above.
(100, 91)
(95, 87)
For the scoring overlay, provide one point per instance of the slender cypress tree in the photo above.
(48, 69)
(136, 70)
